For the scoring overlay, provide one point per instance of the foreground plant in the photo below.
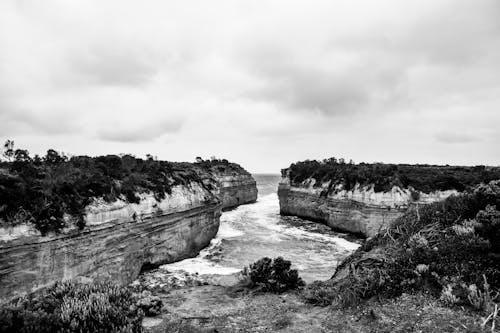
(74, 307)
(272, 275)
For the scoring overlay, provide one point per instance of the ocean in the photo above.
(256, 230)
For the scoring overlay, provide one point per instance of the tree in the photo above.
(21, 161)
(8, 150)
(53, 157)
(22, 155)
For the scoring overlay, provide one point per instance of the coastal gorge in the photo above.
(125, 244)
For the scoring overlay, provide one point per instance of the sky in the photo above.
(261, 83)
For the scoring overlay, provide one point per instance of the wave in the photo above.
(201, 264)
(251, 231)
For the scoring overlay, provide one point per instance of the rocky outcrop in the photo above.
(235, 190)
(121, 238)
(360, 211)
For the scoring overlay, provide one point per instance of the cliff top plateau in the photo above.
(383, 177)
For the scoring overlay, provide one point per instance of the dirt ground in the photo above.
(210, 308)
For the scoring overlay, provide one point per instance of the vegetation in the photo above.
(238, 311)
(151, 305)
(273, 275)
(46, 190)
(423, 178)
(221, 166)
(449, 249)
(74, 307)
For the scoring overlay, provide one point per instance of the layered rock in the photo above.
(118, 241)
(121, 238)
(235, 190)
(233, 185)
(360, 211)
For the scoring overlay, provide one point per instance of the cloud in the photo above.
(388, 64)
(47, 122)
(262, 83)
(112, 64)
(327, 90)
(138, 133)
(454, 137)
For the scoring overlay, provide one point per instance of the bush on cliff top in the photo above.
(42, 190)
(74, 307)
(272, 275)
(221, 166)
(450, 249)
(424, 178)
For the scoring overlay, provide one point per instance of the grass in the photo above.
(268, 312)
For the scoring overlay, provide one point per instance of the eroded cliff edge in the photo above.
(364, 199)
(236, 189)
(360, 211)
(122, 237)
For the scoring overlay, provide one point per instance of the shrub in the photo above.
(53, 187)
(273, 275)
(421, 178)
(74, 307)
(320, 293)
(149, 304)
(448, 296)
(415, 195)
(448, 249)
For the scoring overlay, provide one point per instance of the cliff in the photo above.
(358, 211)
(235, 186)
(117, 242)
(446, 250)
(364, 199)
(236, 190)
(120, 237)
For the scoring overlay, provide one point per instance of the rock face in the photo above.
(235, 190)
(359, 211)
(121, 238)
(118, 241)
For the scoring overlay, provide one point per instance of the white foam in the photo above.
(265, 216)
(200, 266)
(257, 221)
(227, 231)
(339, 241)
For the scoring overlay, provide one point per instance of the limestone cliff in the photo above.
(120, 238)
(236, 190)
(234, 185)
(360, 210)
(117, 242)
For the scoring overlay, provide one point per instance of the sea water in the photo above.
(257, 230)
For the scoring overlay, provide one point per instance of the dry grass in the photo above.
(211, 309)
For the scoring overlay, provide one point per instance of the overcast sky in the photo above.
(261, 83)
